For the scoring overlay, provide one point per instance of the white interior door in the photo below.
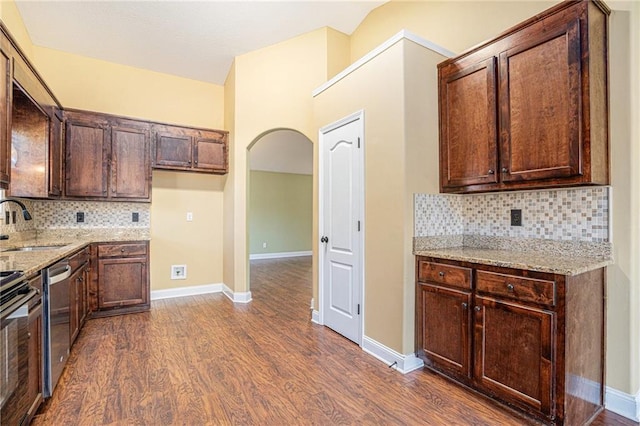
(341, 227)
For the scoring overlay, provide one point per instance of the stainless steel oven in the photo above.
(17, 299)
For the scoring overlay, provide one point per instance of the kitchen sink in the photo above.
(34, 248)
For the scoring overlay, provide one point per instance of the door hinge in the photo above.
(358, 309)
(358, 226)
(358, 142)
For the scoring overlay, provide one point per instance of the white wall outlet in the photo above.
(178, 272)
(264, 245)
(189, 217)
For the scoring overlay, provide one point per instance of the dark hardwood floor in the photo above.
(201, 360)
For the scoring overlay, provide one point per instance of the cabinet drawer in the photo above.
(79, 258)
(441, 273)
(120, 250)
(518, 288)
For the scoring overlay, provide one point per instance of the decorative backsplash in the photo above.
(574, 214)
(62, 214)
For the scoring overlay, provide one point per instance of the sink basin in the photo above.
(35, 248)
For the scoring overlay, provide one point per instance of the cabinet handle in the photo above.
(505, 170)
(478, 308)
(510, 287)
(464, 305)
(491, 172)
(441, 274)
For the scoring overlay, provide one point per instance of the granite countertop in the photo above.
(69, 240)
(556, 257)
(530, 260)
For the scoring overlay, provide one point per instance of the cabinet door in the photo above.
(172, 150)
(468, 125)
(122, 282)
(75, 285)
(86, 158)
(513, 353)
(130, 165)
(5, 116)
(444, 328)
(540, 92)
(210, 154)
(35, 359)
(56, 138)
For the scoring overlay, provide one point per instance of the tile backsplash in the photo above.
(62, 214)
(574, 214)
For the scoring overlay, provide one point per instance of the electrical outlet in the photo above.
(135, 217)
(189, 217)
(79, 217)
(516, 217)
(264, 245)
(178, 272)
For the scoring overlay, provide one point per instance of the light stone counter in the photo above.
(560, 257)
(71, 241)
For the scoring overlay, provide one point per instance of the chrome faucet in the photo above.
(25, 213)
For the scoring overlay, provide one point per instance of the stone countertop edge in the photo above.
(532, 261)
(32, 262)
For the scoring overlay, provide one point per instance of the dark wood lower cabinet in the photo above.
(121, 281)
(34, 393)
(531, 340)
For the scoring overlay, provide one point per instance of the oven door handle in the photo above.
(60, 277)
(19, 304)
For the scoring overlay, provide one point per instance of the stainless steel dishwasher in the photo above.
(56, 323)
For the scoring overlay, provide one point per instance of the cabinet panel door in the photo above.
(172, 150)
(34, 393)
(468, 125)
(130, 165)
(122, 282)
(5, 117)
(540, 89)
(75, 284)
(56, 138)
(444, 328)
(513, 353)
(210, 154)
(86, 159)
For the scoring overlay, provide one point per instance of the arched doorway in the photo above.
(279, 204)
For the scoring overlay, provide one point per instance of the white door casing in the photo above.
(342, 226)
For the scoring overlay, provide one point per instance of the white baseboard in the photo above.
(259, 256)
(315, 317)
(244, 297)
(404, 363)
(186, 291)
(622, 403)
(237, 297)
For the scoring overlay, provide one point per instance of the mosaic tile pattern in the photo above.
(574, 214)
(439, 214)
(62, 215)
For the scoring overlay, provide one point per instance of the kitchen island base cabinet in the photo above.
(122, 282)
(537, 340)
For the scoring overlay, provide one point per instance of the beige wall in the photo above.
(280, 212)
(272, 91)
(398, 160)
(13, 21)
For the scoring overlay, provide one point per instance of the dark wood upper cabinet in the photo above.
(56, 141)
(106, 157)
(190, 149)
(529, 109)
(5, 113)
(87, 151)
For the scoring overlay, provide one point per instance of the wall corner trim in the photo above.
(237, 297)
(403, 34)
(622, 403)
(315, 317)
(405, 363)
(186, 291)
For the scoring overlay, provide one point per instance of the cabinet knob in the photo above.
(122, 250)
(441, 274)
(464, 305)
(505, 170)
(491, 172)
(478, 308)
(510, 287)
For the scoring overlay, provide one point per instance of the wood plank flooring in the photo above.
(202, 360)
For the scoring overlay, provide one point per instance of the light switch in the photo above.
(189, 217)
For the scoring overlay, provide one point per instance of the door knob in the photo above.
(324, 239)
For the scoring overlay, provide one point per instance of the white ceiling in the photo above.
(284, 151)
(192, 39)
